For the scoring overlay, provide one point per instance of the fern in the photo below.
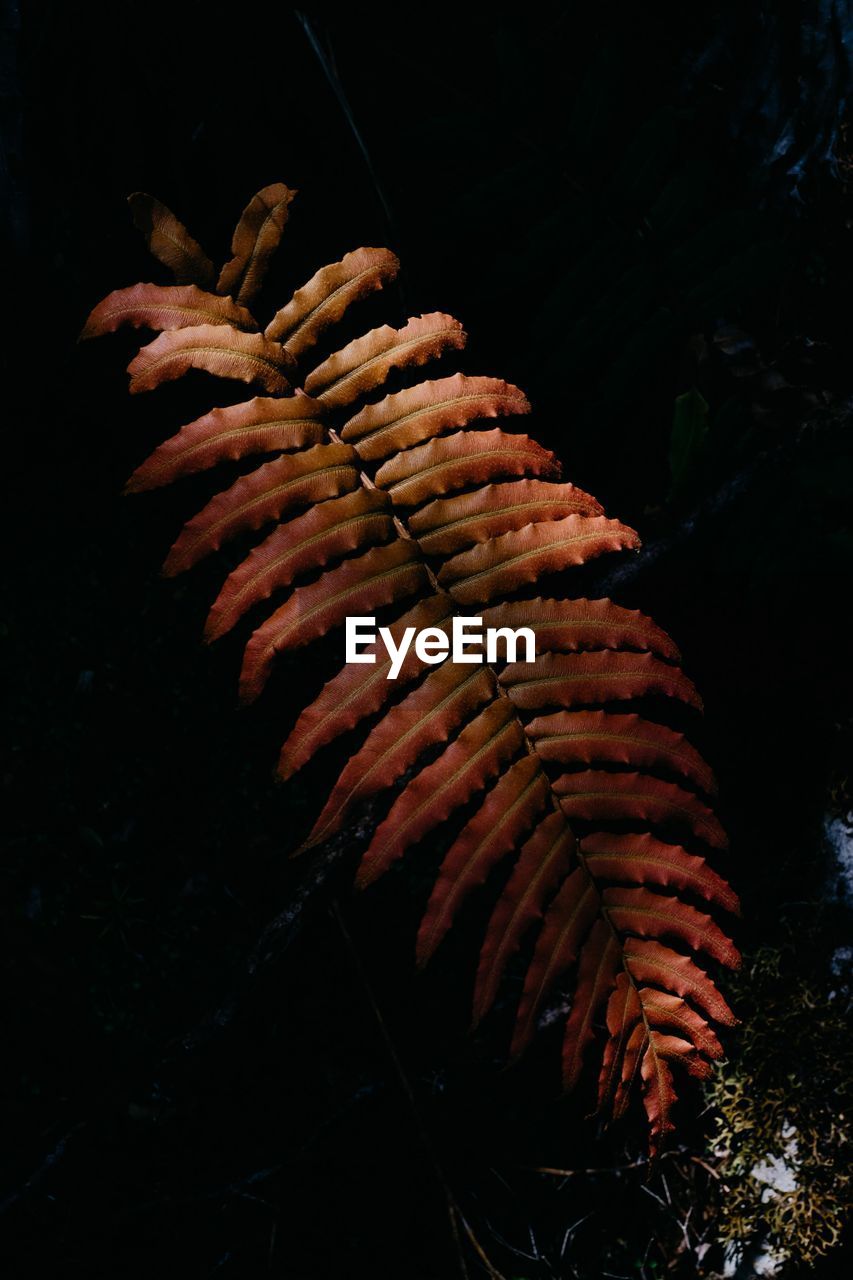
(410, 501)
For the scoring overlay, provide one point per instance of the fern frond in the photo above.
(410, 504)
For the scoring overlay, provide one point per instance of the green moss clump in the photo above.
(782, 1108)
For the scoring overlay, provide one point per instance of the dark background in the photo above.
(622, 203)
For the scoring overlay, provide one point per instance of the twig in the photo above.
(52, 1158)
(331, 73)
(576, 1173)
(494, 1274)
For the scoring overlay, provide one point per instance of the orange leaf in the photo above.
(641, 859)
(596, 976)
(169, 240)
(566, 924)
(255, 240)
(420, 413)
(428, 715)
(664, 1010)
(655, 963)
(503, 818)
(366, 362)
(357, 691)
(594, 794)
(543, 861)
(357, 586)
(572, 679)
(157, 306)
(656, 915)
(658, 1095)
(462, 769)
(262, 496)
(597, 737)
(327, 295)
(217, 348)
(452, 462)
(262, 425)
(449, 524)
(508, 562)
(623, 1014)
(324, 533)
(565, 626)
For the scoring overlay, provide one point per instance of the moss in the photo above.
(782, 1110)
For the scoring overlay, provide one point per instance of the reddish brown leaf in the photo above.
(682, 1052)
(623, 1014)
(632, 1055)
(575, 679)
(356, 587)
(463, 769)
(656, 915)
(567, 922)
(328, 294)
(596, 975)
(544, 860)
(449, 524)
(595, 795)
(428, 715)
(674, 972)
(366, 362)
(169, 240)
(664, 1010)
(262, 425)
(256, 238)
(467, 457)
(658, 1095)
(565, 626)
(508, 562)
(217, 348)
(262, 496)
(642, 859)
(507, 812)
(357, 691)
(428, 410)
(156, 306)
(597, 737)
(324, 533)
